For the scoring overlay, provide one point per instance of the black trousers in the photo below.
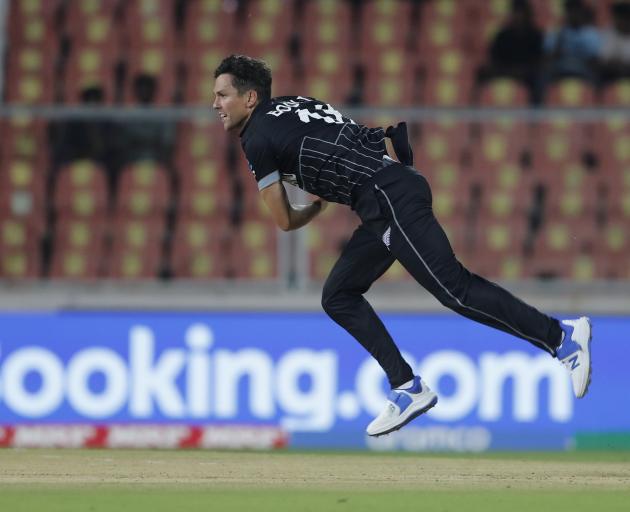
(398, 224)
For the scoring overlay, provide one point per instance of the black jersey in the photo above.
(308, 143)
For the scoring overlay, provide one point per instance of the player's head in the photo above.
(240, 84)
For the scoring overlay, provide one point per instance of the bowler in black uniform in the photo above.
(307, 142)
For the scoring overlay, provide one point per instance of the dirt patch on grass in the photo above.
(231, 470)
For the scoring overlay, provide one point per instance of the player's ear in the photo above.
(252, 98)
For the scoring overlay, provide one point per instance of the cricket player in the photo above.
(308, 143)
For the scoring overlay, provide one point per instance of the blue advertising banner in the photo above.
(302, 372)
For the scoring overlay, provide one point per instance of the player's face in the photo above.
(234, 109)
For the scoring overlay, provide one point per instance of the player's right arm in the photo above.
(286, 215)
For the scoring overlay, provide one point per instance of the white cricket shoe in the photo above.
(402, 406)
(575, 353)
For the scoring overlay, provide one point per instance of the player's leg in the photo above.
(364, 259)
(420, 244)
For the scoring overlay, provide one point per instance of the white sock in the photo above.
(406, 385)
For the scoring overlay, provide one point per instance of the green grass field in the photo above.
(154, 481)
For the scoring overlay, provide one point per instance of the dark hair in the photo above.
(248, 73)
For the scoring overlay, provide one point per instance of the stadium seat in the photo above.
(150, 47)
(138, 227)
(94, 48)
(613, 244)
(616, 187)
(200, 249)
(391, 69)
(441, 26)
(20, 265)
(503, 92)
(31, 53)
(81, 207)
(143, 190)
(253, 252)
(444, 140)
(137, 250)
(25, 138)
(265, 34)
(502, 141)
(558, 142)
(500, 247)
(78, 248)
(22, 190)
(210, 34)
(617, 94)
(326, 236)
(390, 80)
(570, 92)
(81, 191)
(327, 51)
(205, 188)
(22, 219)
(90, 67)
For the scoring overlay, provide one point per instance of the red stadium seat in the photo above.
(391, 70)
(500, 142)
(209, 36)
(32, 52)
(254, 251)
(24, 138)
(22, 190)
(570, 92)
(327, 51)
(81, 191)
(558, 142)
(139, 223)
(78, 248)
(503, 92)
(143, 190)
(94, 48)
(151, 47)
(499, 248)
(445, 140)
(20, 265)
(326, 237)
(561, 251)
(617, 94)
(137, 250)
(200, 249)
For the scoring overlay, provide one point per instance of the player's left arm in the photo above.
(286, 215)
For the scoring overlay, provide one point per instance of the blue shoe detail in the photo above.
(568, 346)
(416, 387)
(403, 405)
(402, 400)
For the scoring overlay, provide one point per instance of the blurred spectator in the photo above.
(572, 50)
(517, 49)
(614, 55)
(145, 139)
(82, 138)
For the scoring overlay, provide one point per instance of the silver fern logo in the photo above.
(386, 236)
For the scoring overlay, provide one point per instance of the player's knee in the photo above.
(330, 300)
(445, 297)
